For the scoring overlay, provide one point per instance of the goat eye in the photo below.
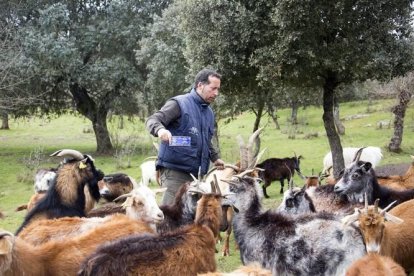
(289, 202)
(355, 176)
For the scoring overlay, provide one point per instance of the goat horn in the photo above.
(376, 205)
(199, 173)
(69, 153)
(5, 233)
(122, 196)
(217, 185)
(241, 175)
(253, 138)
(256, 160)
(366, 202)
(194, 178)
(213, 187)
(243, 153)
(388, 207)
(358, 155)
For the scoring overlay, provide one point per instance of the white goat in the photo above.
(369, 154)
(148, 172)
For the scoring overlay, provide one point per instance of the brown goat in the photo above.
(399, 182)
(375, 265)
(187, 251)
(67, 196)
(63, 257)
(395, 238)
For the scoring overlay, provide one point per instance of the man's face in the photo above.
(210, 91)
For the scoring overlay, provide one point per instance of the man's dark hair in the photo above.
(203, 75)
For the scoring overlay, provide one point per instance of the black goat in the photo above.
(66, 196)
(278, 169)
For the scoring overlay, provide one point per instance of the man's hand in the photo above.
(219, 164)
(165, 135)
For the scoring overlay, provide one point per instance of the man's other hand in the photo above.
(219, 164)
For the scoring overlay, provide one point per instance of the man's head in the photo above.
(207, 84)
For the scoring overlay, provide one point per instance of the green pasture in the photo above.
(19, 145)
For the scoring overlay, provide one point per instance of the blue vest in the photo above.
(197, 122)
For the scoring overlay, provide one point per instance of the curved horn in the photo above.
(243, 153)
(122, 196)
(213, 187)
(254, 139)
(366, 202)
(69, 153)
(358, 155)
(246, 172)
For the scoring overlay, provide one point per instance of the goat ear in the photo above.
(367, 166)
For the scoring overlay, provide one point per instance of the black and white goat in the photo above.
(311, 244)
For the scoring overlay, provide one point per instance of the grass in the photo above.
(45, 136)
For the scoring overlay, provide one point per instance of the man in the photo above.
(185, 125)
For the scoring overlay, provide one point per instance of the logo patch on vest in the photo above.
(194, 131)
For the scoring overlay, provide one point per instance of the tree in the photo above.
(404, 86)
(82, 56)
(328, 43)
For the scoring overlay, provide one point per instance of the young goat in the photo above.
(187, 251)
(66, 196)
(311, 244)
(278, 169)
(394, 239)
(62, 257)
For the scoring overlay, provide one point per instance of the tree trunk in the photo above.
(328, 120)
(271, 111)
(338, 124)
(294, 113)
(103, 140)
(4, 120)
(399, 111)
(259, 114)
(88, 108)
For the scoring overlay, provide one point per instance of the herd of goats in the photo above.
(358, 224)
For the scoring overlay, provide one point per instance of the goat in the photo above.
(246, 165)
(114, 185)
(395, 238)
(43, 179)
(359, 178)
(187, 251)
(66, 196)
(278, 169)
(375, 265)
(140, 205)
(61, 257)
(149, 173)
(400, 182)
(296, 201)
(311, 244)
(370, 154)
